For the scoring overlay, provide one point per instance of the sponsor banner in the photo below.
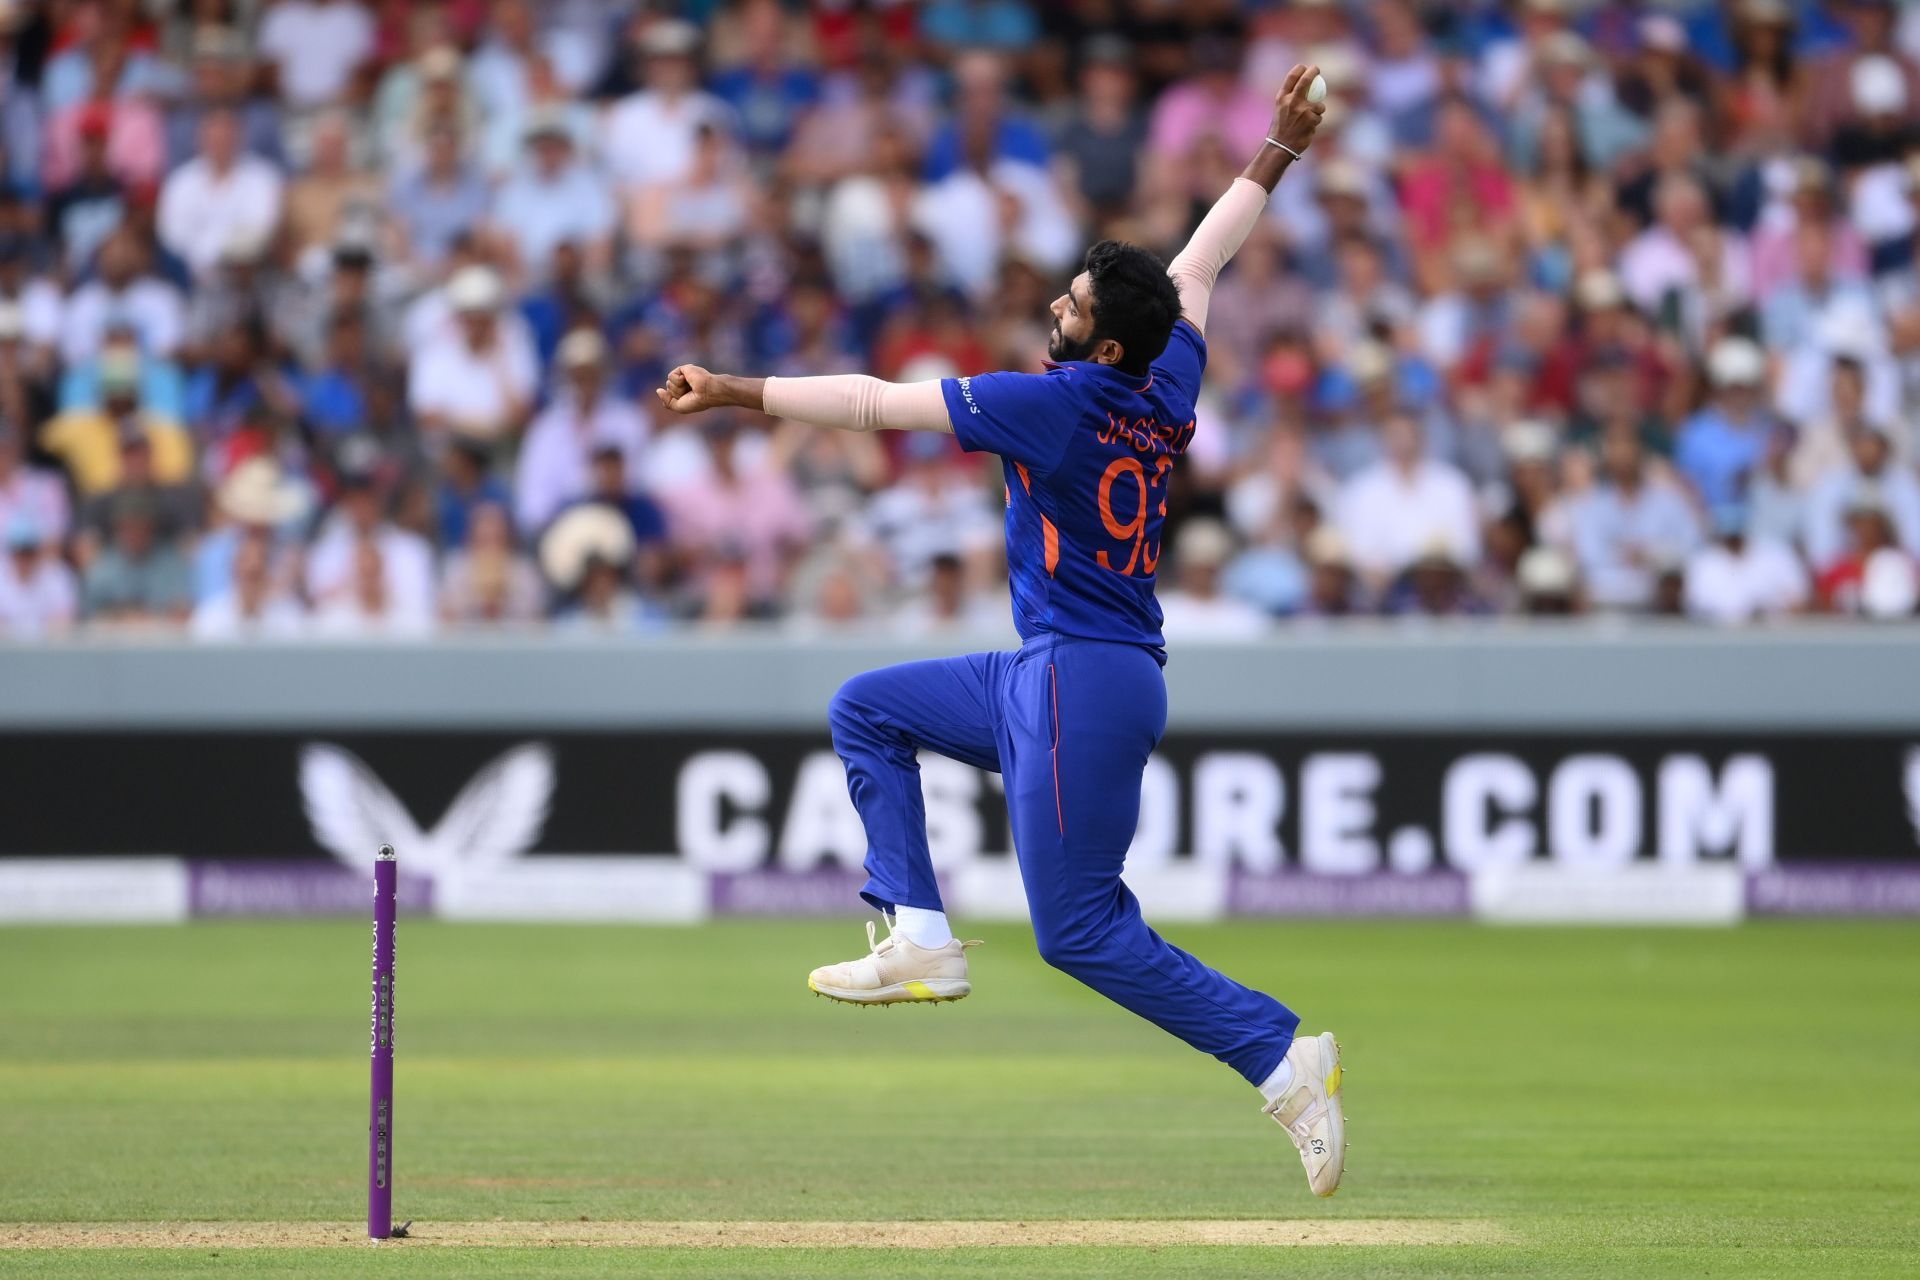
(92, 891)
(678, 825)
(1835, 891)
(293, 889)
(727, 801)
(1378, 894)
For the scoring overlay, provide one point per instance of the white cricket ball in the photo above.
(1317, 91)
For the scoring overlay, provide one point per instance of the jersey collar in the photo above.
(1130, 381)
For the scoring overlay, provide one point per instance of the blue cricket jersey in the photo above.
(1088, 453)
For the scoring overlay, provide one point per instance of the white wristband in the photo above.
(1284, 147)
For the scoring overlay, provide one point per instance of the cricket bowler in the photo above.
(1068, 719)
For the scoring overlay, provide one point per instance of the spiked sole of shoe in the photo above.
(914, 991)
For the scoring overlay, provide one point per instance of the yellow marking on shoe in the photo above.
(1333, 1080)
(813, 988)
(919, 990)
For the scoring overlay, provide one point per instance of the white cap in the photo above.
(1342, 177)
(929, 367)
(442, 62)
(1879, 86)
(257, 492)
(1598, 289)
(474, 289)
(1546, 571)
(580, 348)
(1529, 440)
(1203, 542)
(1370, 362)
(1737, 362)
(591, 531)
(1327, 548)
(670, 37)
(1888, 588)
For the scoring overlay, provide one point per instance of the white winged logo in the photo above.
(496, 818)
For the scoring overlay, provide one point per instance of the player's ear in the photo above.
(1108, 351)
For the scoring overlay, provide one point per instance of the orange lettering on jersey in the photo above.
(1052, 538)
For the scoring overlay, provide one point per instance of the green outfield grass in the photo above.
(1604, 1102)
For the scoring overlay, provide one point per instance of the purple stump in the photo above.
(380, 1118)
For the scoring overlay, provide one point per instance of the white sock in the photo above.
(1276, 1085)
(921, 927)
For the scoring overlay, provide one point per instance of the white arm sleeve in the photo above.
(1218, 238)
(855, 402)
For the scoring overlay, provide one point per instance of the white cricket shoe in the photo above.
(1311, 1113)
(897, 972)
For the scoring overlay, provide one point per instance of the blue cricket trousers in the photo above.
(1069, 724)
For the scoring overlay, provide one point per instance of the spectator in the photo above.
(1736, 579)
(584, 416)
(438, 200)
(704, 211)
(251, 608)
(989, 206)
(1197, 608)
(651, 135)
(365, 572)
(467, 485)
(222, 80)
(1549, 584)
(1214, 103)
(1098, 145)
(1869, 474)
(769, 91)
(175, 507)
(611, 486)
(125, 291)
(935, 509)
(368, 604)
(258, 501)
(29, 497)
(220, 198)
(89, 441)
(739, 528)
(984, 133)
(586, 556)
(38, 596)
(85, 209)
(333, 198)
(315, 48)
(1628, 523)
(140, 575)
(1720, 446)
(1825, 444)
(1876, 578)
(1405, 507)
(950, 605)
(478, 378)
(486, 580)
(554, 199)
(162, 389)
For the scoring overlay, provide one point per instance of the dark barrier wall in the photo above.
(1336, 751)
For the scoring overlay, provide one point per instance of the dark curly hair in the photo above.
(1134, 302)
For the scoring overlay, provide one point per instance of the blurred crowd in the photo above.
(342, 317)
